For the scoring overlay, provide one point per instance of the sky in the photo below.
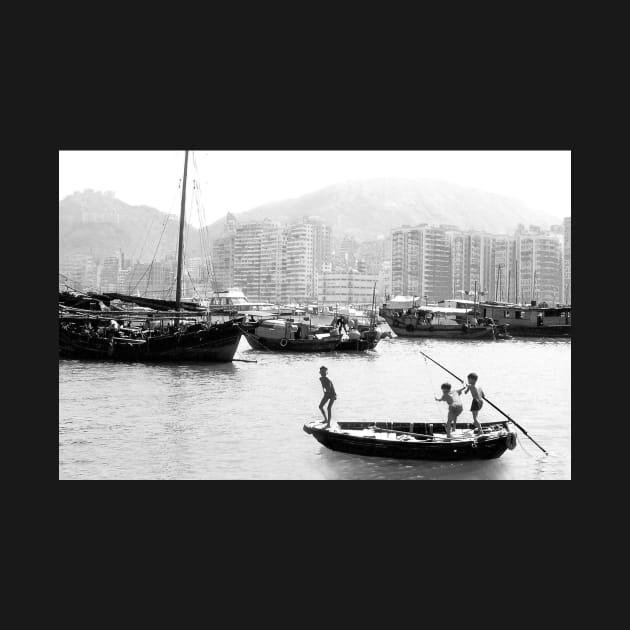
(236, 181)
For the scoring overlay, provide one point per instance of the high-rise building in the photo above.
(421, 262)
(108, 277)
(539, 267)
(258, 260)
(78, 272)
(501, 283)
(307, 248)
(351, 287)
(222, 268)
(482, 261)
(223, 261)
(566, 281)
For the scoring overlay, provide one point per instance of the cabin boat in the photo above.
(532, 320)
(287, 335)
(414, 440)
(441, 323)
(232, 301)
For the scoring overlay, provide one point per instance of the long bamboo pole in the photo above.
(491, 404)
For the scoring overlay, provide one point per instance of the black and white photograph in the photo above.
(314, 315)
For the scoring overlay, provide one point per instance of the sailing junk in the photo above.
(147, 330)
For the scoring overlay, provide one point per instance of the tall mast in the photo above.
(180, 246)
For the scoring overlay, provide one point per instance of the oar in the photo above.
(492, 405)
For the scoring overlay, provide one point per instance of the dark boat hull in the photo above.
(293, 345)
(483, 447)
(444, 332)
(216, 344)
(357, 345)
(540, 331)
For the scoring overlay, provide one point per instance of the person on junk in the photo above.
(329, 394)
(455, 406)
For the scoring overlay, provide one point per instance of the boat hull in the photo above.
(540, 331)
(216, 344)
(444, 332)
(488, 446)
(293, 345)
(357, 345)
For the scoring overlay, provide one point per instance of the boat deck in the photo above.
(410, 431)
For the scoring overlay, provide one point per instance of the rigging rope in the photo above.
(129, 289)
(203, 231)
(168, 216)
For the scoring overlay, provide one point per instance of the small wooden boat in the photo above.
(415, 440)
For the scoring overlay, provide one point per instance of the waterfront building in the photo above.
(421, 262)
(307, 248)
(258, 260)
(539, 267)
(223, 255)
(351, 287)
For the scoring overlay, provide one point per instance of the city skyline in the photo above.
(238, 181)
(278, 262)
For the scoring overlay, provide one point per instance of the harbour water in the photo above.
(244, 420)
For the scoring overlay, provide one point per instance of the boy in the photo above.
(329, 394)
(454, 406)
(477, 403)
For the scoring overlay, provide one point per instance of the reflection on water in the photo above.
(244, 420)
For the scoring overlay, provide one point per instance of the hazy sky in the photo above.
(235, 181)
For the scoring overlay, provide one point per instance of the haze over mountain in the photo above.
(368, 208)
(98, 223)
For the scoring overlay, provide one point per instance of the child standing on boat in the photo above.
(478, 396)
(454, 406)
(329, 393)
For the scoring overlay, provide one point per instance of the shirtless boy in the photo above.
(454, 406)
(329, 393)
(478, 396)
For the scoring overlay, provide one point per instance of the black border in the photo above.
(313, 113)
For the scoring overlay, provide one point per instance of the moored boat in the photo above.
(441, 323)
(161, 331)
(286, 335)
(414, 440)
(529, 320)
(146, 337)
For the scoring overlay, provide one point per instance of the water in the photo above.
(244, 420)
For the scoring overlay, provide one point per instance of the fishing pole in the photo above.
(491, 404)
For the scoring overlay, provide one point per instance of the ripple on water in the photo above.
(244, 420)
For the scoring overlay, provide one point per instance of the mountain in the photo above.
(366, 209)
(98, 223)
